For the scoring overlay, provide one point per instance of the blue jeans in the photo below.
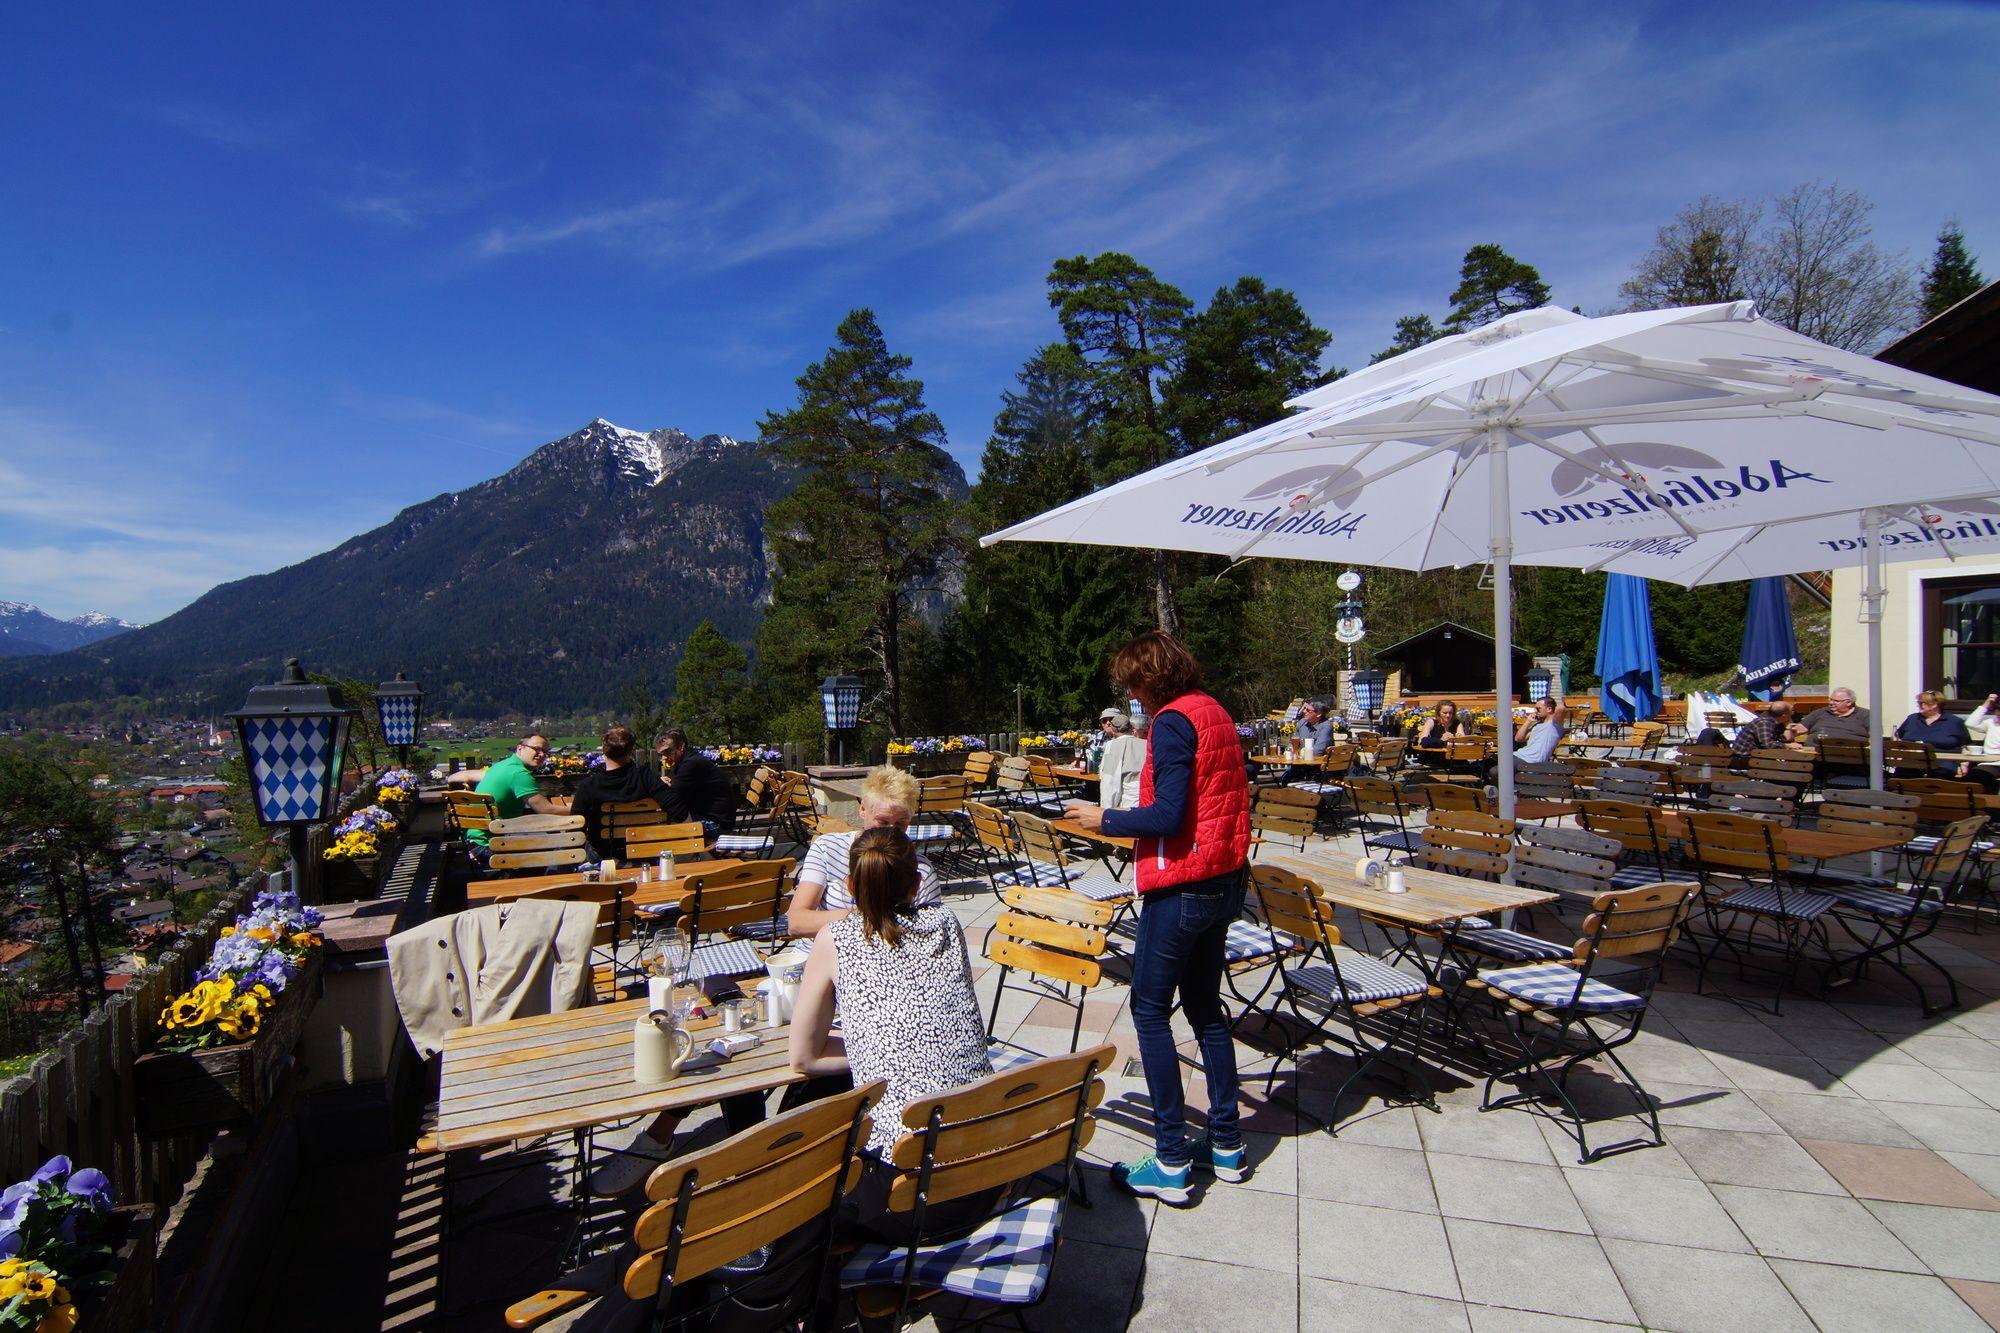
(1180, 947)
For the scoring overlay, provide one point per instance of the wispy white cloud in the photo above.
(227, 127)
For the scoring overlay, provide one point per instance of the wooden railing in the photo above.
(77, 1098)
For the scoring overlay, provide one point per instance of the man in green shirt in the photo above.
(511, 784)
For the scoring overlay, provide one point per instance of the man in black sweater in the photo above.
(619, 780)
(696, 787)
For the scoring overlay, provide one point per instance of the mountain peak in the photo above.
(28, 631)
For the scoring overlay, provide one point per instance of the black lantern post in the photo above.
(400, 705)
(1539, 681)
(840, 696)
(294, 737)
(1368, 687)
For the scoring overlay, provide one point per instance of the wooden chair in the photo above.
(722, 1203)
(468, 810)
(1897, 917)
(995, 1132)
(1702, 754)
(1283, 814)
(763, 786)
(1908, 759)
(1391, 754)
(1745, 797)
(1942, 801)
(1647, 737)
(1573, 862)
(939, 821)
(647, 842)
(1746, 878)
(1382, 802)
(536, 842)
(992, 843)
(1620, 783)
(1843, 763)
(1051, 864)
(1467, 755)
(978, 771)
(1792, 769)
(1460, 842)
(1866, 811)
(1015, 787)
(723, 911)
(1561, 1011)
(1054, 940)
(1329, 784)
(1554, 781)
(1636, 828)
(776, 810)
(1455, 796)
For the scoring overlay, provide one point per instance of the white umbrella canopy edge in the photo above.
(1626, 426)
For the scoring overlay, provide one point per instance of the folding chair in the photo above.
(978, 772)
(995, 1132)
(1462, 842)
(1050, 862)
(1746, 876)
(1382, 802)
(1897, 917)
(1908, 759)
(616, 818)
(938, 822)
(1391, 754)
(1329, 784)
(1467, 755)
(1620, 783)
(647, 842)
(1574, 863)
(1014, 787)
(1636, 829)
(732, 908)
(1559, 1010)
(1843, 763)
(1742, 796)
(1283, 814)
(1790, 769)
(1055, 940)
(466, 810)
(1338, 981)
(1455, 796)
(1553, 781)
(1646, 738)
(727, 1202)
(536, 842)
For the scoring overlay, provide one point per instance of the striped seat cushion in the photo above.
(1101, 890)
(1511, 945)
(1794, 904)
(1004, 1058)
(742, 844)
(1005, 1259)
(1878, 901)
(1317, 788)
(1926, 843)
(729, 958)
(1038, 873)
(923, 833)
(1401, 841)
(1554, 987)
(1637, 877)
(1248, 940)
(1365, 979)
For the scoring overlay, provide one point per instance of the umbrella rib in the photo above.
(1703, 375)
(1458, 471)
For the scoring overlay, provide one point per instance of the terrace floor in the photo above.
(1837, 1167)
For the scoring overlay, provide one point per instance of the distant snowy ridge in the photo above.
(28, 631)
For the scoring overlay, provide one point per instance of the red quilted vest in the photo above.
(1215, 838)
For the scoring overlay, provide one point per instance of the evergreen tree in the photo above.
(1412, 332)
(1492, 284)
(1952, 276)
(645, 714)
(711, 684)
(1243, 357)
(874, 519)
(1127, 323)
(60, 832)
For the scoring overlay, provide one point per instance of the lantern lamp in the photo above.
(840, 697)
(1368, 687)
(1539, 681)
(294, 737)
(400, 705)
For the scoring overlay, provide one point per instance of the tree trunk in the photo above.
(1164, 610)
(892, 675)
(69, 943)
(90, 927)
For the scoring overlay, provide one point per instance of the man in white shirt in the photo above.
(1538, 736)
(888, 798)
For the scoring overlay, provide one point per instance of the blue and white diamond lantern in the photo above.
(840, 696)
(1368, 686)
(401, 705)
(1539, 681)
(294, 735)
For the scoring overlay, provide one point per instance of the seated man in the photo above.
(1840, 718)
(1315, 728)
(1536, 738)
(619, 780)
(1764, 731)
(697, 791)
(511, 783)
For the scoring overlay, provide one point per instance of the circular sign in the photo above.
(1348, 581)
(1348, 631)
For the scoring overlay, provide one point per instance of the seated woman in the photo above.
(1445, 726)
(1118, 773)
(901, 976)
(889, 797)
(1932, 724)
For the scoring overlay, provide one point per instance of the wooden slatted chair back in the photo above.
(1002, 1128)
(978, 770)
(536, 842)
(1633, 826)
(990, 828)
(1702, 754)
(1039, 840)
(763, 786)
(1746, 797)
(1787, 768)
(750, 1191)
(1291, 903)
(1545, 782)
(1843, 756)
(648, 842)
(1864, 811)
(1456, 796)
(1467, 752)
(619, 816)
(1941, 800)
(736, 896)
(1390, 754)
(1367, 742)
(1720, 718)
(1735, 845)
(1908, 759)
(942, 795)
(469, 810)
(1460, 842)
(1564, 860)
(1647, 736)
(1042, 771)
(1060, 905)
(1623, 783)
(615, 915)
(1941, 868)
(1061, 951)
(1624, 922)
(1284, 813)
(1584, 770)
(1015, 774)
(1337, 763)
(1378, 797)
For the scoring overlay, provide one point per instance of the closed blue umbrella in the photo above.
(1770, 649)
(1627, 663)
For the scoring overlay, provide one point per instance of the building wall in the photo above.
(1902, 648)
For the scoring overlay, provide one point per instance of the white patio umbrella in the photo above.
(1548, 431)
(1869, 539)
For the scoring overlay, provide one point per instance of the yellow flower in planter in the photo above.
(37, 1286)
(62, 1319)
(10, 1287)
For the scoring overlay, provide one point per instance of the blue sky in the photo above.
(270, 273)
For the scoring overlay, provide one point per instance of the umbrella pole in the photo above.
(1500, 547)
(1871, 615)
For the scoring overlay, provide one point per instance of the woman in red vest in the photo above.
(1192, 824)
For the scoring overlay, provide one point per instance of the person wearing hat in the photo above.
(1093, 753)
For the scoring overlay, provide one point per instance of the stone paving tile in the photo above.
(1899, 1175)
(1659, 1209)
(1844, 1048)
(1093, 1286)
(1859, 1300)
(1704, 1291)
(1780, 1073)
(1748, 1036)
(1947, 1128)
(1342, 1307)
(1907, 1083)
(1465, 1130)
(1981, 1083)
(1954, 1242)
(1114, 1219)
(1983, 1297)
(1940, 1052)
(1375, 1247)
(1231, 1225)
(1727, 1157)
(1347, 1172)
(1662, 1160)
(1496, 1319)
(1548, 1271)
(1179, 1294)
(1819, 1228)
(1983, 1168)
(1672, 1064)
(1711, 1106)
(1847, 1119)
(1487, 1189)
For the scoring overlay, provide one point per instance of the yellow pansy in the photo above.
(62, 1319)
(10, 1287)
(38, 1286)
(12, 1266)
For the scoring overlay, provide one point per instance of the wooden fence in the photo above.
(77, 1099)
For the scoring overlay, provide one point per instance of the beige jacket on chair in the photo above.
(1118, 772)
(489, 964)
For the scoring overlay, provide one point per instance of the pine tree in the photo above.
(1492, 284)
(1243, 357)
(710, 685)
(874, 521)
(1127, 323)
(1952, 276)
(1412, 332)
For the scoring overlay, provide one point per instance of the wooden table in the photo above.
(1076, 773)
(1434, 899)
(1807, 844)
(484, 891)
(1120, 848)
(555, 1072)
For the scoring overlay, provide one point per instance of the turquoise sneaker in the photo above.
(1230, 1164)
(1150, 1178)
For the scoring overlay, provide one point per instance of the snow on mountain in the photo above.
(28, 631)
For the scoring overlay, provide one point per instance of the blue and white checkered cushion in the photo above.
(743, 844)
(1797, 905)
(1553, 985)
(1496, 942)
(922, 833)
(1638, 877)
(1247, 940)
(1317, 788)
(1004, 1058)
(1039, 873)
(1366, 979)
(1883, 902)
(1926, 843)
(1400, 841)
(1006, 1259)
(728, 958)
(1101, 890)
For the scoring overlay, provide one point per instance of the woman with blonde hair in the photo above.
(888, 800)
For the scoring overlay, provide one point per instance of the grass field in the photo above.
(15, 1064)
(491, 748)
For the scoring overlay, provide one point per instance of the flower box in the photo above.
(126, 1306)
(185, 1092)
(929, 765)
(353, 880)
